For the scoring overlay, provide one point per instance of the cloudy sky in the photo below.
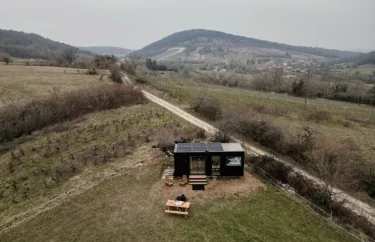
(339, 24)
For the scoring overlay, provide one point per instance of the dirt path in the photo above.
(354, 204)
(178, 51)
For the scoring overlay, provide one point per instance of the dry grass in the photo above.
(245, 187)
(124, 209)
(343, 120)
(49, 160)
(109, 198)
(26, 82)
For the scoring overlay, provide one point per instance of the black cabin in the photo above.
(210, 159)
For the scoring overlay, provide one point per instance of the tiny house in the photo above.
(209, 159)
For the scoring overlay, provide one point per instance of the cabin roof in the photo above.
(232, 147)
(207, 147)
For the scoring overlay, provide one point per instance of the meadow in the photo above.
(94, 177)
(332, 122)
(124, 208)
(19, 83)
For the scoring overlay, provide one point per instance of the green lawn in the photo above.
(122, 209)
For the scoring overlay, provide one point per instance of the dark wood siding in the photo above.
(226, 170)
(182, 163)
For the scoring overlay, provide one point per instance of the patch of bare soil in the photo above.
(246, 186)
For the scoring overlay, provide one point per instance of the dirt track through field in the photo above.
(350, 202)
(81, 184)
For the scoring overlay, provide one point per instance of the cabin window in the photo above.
(215, 165)
(198, 164)
(234, 161)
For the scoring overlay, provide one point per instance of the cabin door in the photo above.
(198, 165)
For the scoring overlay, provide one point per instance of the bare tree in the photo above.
(70, 55)
(115, 73)
(207, 105)
(135, 60)
(5, 58)
(198, 98)
(276, 76)
(262, 82)
(336, 161)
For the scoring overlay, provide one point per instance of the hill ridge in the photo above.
(107, 50)
(194, 38)
(30, 45)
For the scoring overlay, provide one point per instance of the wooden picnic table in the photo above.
(175, 207)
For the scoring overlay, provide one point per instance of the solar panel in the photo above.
(198, 147)
(182, 147)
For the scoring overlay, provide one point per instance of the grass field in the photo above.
(363, 70)
(26, 82)
(287, 109)
(51, 158)
(123, 209)
(346, 121)
(94, 179)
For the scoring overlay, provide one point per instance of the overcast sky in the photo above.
(339, 24)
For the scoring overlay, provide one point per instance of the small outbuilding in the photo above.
(209, 159)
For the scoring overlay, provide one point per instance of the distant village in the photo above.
(288, 65)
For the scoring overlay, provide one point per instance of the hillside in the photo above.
(29, 45)
(219, 44)
(107, 50)
(363, 59)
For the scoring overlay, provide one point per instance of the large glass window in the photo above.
(197, 165)
(234, 161)
(215, 165)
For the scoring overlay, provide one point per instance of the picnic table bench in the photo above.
(175, 207)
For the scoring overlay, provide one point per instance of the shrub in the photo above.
(262, 132)
(115, 74)
(166, 146)
(298, 88)
(92, 71)
(274, 168)
(201, 134)
(337, 162)
(221, 137)
(4, 57)
(211, 109)
(316, 194)
(70, 55)
(206, 105)
(104, 61)
(128, 68)
(153, 65)
(21, 119)
(140, 80)
(262, 82)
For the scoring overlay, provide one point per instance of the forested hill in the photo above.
(367, 58)
(192, 39)
(25, 45)
(107, 50)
